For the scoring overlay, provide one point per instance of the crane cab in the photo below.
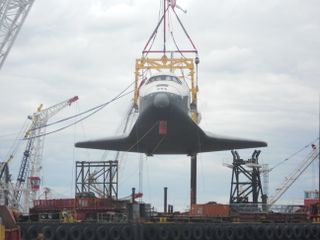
(34, 183)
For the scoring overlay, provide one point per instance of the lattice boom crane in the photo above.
(31, 162)
(290, 179)
(12, 16)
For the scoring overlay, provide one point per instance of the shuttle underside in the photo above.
(165, 127)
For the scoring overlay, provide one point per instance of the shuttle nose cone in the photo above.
(161, 100)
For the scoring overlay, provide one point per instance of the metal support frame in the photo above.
(246, 184)
(98, 177)
(193, 180)
(172, 64)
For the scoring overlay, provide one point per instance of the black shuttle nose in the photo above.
(161, 100)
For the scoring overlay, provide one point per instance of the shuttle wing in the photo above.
(213, 142)
(119, 143)
(195, 141)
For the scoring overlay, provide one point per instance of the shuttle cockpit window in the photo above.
(164, 78)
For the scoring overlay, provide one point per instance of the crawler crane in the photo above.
(30, 167)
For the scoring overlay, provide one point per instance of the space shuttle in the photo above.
(165, 126)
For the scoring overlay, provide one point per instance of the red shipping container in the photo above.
(210, 210)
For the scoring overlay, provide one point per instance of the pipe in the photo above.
(133, 194)
(165, 199)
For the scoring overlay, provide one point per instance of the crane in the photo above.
(30, 166)
(12, 16)
(296, 173)
(4, 180)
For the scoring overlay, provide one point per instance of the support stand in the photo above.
(193, 183)
(246, 184)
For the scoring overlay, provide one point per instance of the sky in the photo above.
(258, 79)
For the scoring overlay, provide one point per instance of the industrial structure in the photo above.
(31, 164)
(25, 190)
(98, 178)
(13, 13)
(246, 184)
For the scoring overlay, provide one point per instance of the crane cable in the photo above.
(156, 32)
(16, 143)
(173, 38)
(292, 155)
(93, 110)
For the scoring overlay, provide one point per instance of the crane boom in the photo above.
(289, 180)
(12, 16)
(32, 157)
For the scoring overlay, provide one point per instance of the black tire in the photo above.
(317, 228)
(75, 233)
(48, 233)
(150, 232)
(61, 233)
(32, 232)
(240, 232)
(197, 232)
(229, 232)
(114, 233)
(126, 232)
(89, 233)
(279, 232)
(163, 233)
(314, 231)
(186, 232)
(208, 232)
(175, 232)
(249, 232)
(269, 230)
(102, 233)
(297, 232)
(219, 233)
(259, 232)
(288, 232)
(306, 231)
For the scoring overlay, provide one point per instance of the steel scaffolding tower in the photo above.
(99, 178)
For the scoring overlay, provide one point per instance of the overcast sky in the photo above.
(259, 78)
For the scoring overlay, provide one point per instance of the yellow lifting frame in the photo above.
(172, 64)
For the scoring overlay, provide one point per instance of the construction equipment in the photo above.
(296, 173)
(32, 157)
(12, 16)
(4, 181)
